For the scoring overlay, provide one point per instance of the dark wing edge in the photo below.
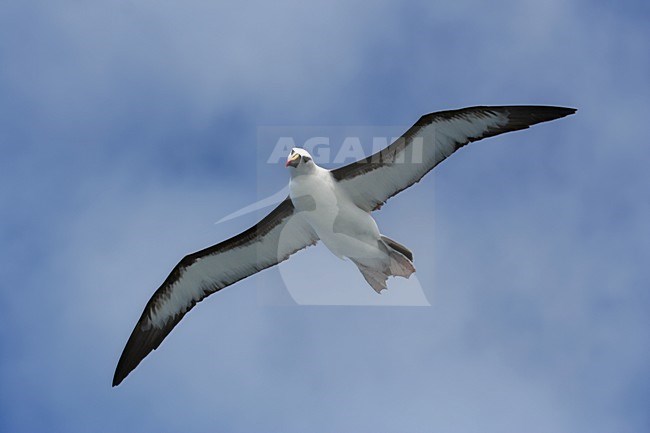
(518, 117)
(145, 337)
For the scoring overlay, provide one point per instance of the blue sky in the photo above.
(126, 130)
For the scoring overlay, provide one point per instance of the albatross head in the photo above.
(299, 159)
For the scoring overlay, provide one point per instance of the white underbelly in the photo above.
(346, 234)
(346, 230)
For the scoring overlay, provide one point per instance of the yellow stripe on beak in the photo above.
(291, 159)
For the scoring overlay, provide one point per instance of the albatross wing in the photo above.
(198, 275)
(371, 181)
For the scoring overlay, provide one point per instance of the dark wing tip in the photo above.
(522, 117)
(527, 115)
(144, 340)
(538, 113)
(140, 344)
(145, 337)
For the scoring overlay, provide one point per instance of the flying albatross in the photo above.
(333, 206)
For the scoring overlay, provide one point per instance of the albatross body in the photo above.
(344, 228)
(332, 206)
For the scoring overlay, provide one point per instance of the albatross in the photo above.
(333, 206)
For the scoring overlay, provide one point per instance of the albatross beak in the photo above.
(292, 160)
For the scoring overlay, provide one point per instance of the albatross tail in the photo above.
(399, 264)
